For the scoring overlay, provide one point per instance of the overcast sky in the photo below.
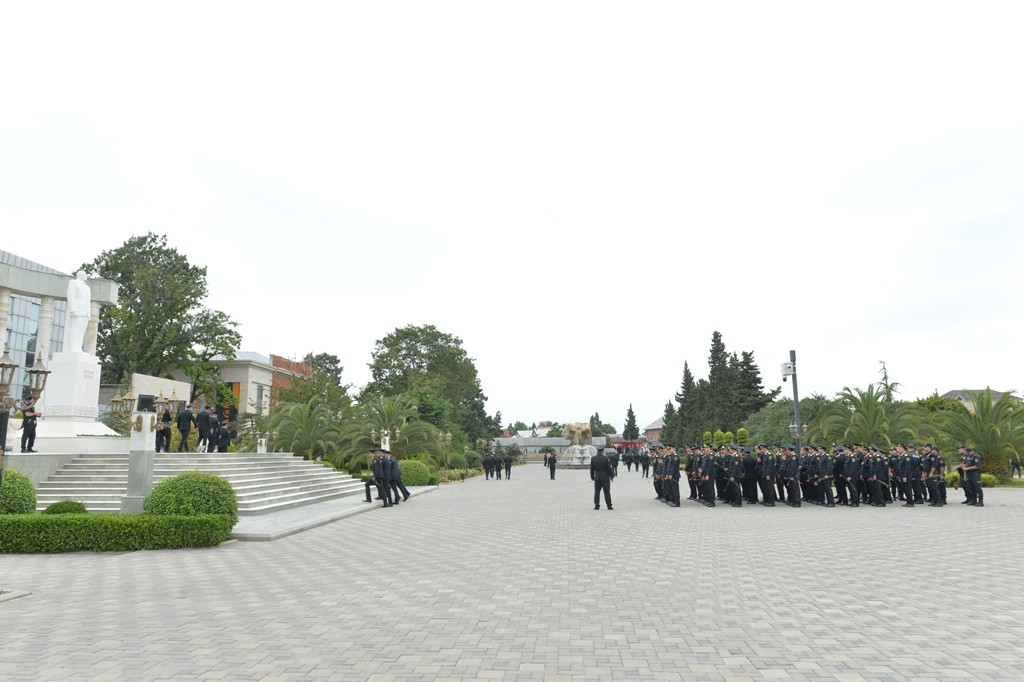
(582, 192)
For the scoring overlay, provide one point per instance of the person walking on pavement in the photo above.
(602, 473)
(381, 471)
(508, 465)
(551, 465)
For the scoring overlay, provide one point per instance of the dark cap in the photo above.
(961, 447)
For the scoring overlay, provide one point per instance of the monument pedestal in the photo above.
(68, 404)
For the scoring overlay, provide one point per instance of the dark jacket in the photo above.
(601, 468)
(186, 420)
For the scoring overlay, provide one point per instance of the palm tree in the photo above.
(866, 417)
(305, 429)
(395, 414)
(995, 429)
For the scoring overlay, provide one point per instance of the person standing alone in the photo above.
(28, 425)
(601, 473)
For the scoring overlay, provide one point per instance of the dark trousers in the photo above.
(385, 492)
(906, 487)
(825, 491)
(402, 489)
(368, 484)
(780, 486)
(933, 490)
(673, 490)
(767, 490)
(508, 471)
(750, 490)
(693, 488)
(183, 445)
(646, 468)
(976, 492)
(841, 497)
(606, 486)
(552, 473)
(28, 436)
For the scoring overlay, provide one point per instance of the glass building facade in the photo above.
(23, 327)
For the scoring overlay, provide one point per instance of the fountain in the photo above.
(579, 452)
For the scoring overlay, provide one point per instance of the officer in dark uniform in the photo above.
(372, 455)
(690, 469)
(552, 462)
(614, 459)
(672, 475)
(851, 476)
(917, 473)
(381, 472)
(764, 469)
(792, 475)
(394, 477)
(28, 426)
(749, 476)
(1016, 468)
(825, 468)
(734, 475)
(601, 473)
(972, 466)
(507, 460)
(645, 463)
(905, 470)
(203, 430)
(185, 421)
(780, 482)
(839, 462)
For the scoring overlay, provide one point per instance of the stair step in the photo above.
(262, 483)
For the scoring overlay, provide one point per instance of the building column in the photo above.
(5, 310)
(92, 329)
(45, 330)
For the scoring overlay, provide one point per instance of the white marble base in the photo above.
(69, 404)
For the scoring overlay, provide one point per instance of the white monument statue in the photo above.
(79, 311)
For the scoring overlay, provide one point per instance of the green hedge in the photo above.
(987, 480)
(66, 507)
(17, 494)
(414, 472)
(190, 493)
(39, 533)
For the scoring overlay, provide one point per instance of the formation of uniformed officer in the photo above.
(845, 475)
(492, 465)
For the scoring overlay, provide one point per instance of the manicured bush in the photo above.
(17, 494)
(433, 480)
(190, 493)
(66, 507)
(456, 460)
(414, 472)
(989, 480)
(953, 480)
(38, 533)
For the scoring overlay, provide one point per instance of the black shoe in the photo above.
(596, 508)
(830, 505)
(405, 499)
(908, 504)
(964, 502)
(610, 508)
(31, 450)
(980, 504)
(770, 505)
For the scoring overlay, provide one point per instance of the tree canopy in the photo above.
(431, 365)
(159, 324)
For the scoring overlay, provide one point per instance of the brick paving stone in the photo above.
(522, 580)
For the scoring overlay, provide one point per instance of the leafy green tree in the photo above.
(630, 431)
(306, 429)
(936, 403)
(323, 386)
(556, 430)
(599, 428)
(771, 423)
(995, 429)
(426, 361)
(520, 426)
(159, 324)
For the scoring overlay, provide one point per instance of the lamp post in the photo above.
(797, 429)
(7, 367)
(446, 440)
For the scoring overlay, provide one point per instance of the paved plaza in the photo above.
(523, 580)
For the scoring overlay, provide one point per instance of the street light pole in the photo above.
(797, 430)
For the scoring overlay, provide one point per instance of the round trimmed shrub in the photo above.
(456, 460)
(989, 480)
(17, 494)
(191, 493)
(414, 472)
(66, 507)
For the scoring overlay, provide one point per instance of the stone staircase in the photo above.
(262, 482)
